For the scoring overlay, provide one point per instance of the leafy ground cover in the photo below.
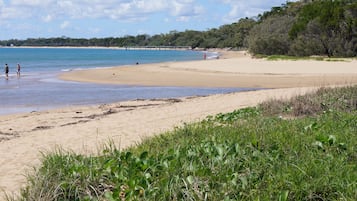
(302, 149)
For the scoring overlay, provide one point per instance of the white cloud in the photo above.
(65, 24)
(243, 8)
(47, 18)
(149, 6)
(113, 9)
(111, 14)
(186, 8)
(30, 2)
(125, 10)
(12, 13)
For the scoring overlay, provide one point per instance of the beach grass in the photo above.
(293, 58)
(301, 149)
(302, 58)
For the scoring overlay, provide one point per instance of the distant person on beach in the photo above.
(6, 71)
(18, 70)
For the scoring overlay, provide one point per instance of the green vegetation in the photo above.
(301, 149)
(226, 36)
(293, 58)
(302, 28)
(296, 58)
(305, 28)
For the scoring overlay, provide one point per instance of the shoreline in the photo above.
(85, 129)
(178, 48)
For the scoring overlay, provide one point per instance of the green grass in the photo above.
(296, 58)
(302, 149)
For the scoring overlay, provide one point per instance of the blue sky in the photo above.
(21, 19)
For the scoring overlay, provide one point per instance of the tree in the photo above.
(328, 22)
(271, 36)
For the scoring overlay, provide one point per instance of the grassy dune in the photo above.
(302, 149)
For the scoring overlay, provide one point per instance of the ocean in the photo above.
(38, 88)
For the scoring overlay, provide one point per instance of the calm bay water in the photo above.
(38, 88)
(57, 59)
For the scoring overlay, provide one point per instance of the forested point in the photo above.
(303, 28)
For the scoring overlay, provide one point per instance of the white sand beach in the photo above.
(23, 137)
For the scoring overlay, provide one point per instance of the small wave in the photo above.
(58, 81)
(104, 67)
(211, 55)
(66, 70)
(71, 69)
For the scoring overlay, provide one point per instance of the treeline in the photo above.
(303, 28)
(232, 35)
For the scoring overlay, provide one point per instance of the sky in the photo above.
(22, 19)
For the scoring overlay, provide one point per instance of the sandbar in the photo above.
(233, 69)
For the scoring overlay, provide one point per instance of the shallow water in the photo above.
(27, 95)
(35, 60)
(38, 87)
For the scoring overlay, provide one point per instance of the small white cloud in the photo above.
(182, 8)
(32, 3)
(185, 10)
(12, 13)
(65, 24)
(47, 18)
(183, 19)
(149, 6)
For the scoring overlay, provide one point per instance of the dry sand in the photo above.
(85, 129)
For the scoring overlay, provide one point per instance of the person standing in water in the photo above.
(18, 70)
(6, 71)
